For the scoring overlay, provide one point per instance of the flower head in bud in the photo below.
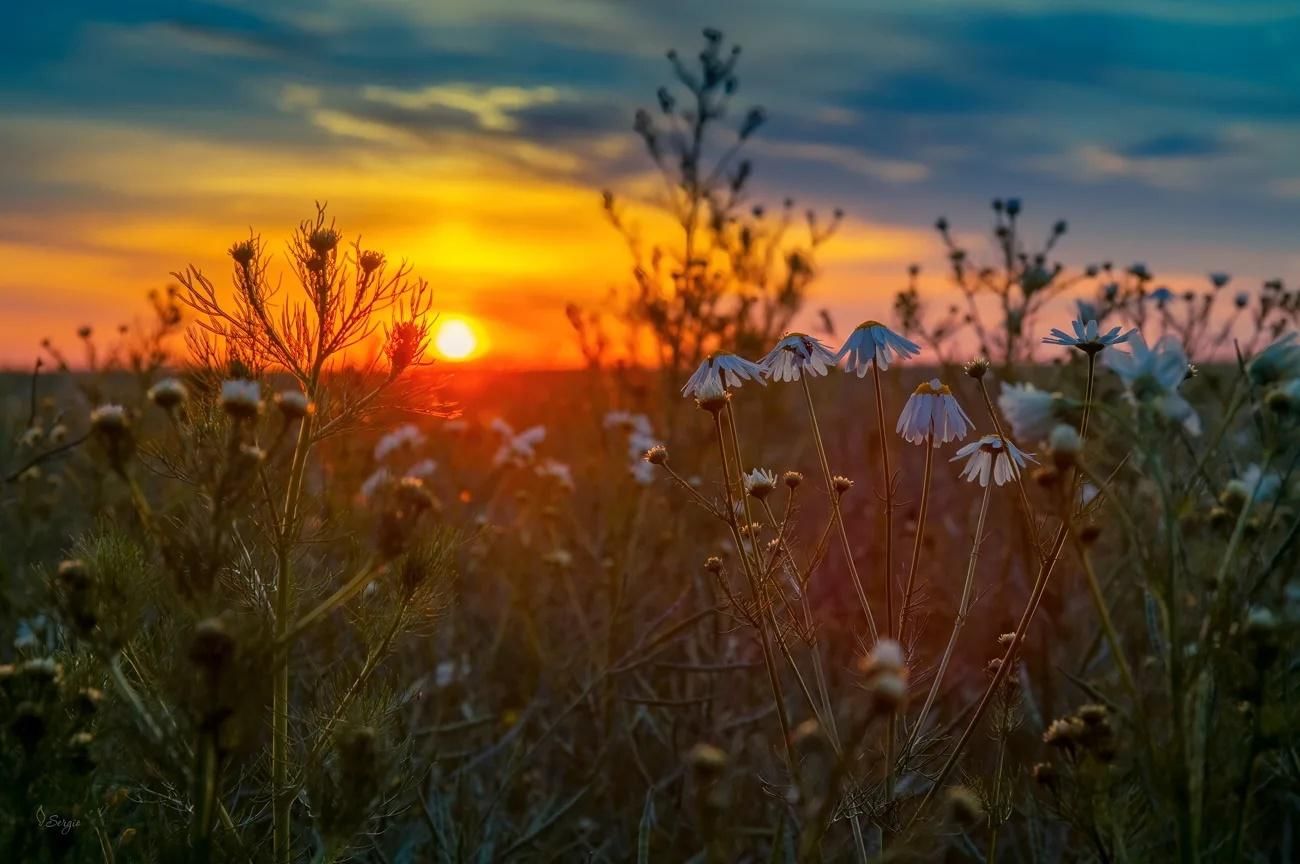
(656, 455)
(324, 240)
(713, 564)
(370, 261)
(244, 252)
(407, 342)
(241, 398)
(167, 394)
(111, 427)
(1064, 733)
(841, 484)
(792, 479)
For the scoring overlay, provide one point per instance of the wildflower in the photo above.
(1032, 412)
(422, 469)
(992, 454)
(516, 449)
(293, 404)
(841, 484)
(1253, 485)
(1065, 444)
(1087, 336)
(1280, 361)
(244, 252)
(886, 676)
(1218, 280)
(111, 428)
(406, 345)
(1064, 733)
(722, 370)
(1154, 375)
(711, 395)
(556, 471)
(404, 437)
(656, 455)
(375, 482)
(241, 398)
(168, 394)
(760, 482)
(932, 412)
(1161, 296)
(976, 368)
(792, 479)
(370, 261)
(713, 564)
(964, 806)
(795, 354)
(874, 343)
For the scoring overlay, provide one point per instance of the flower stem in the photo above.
(835, 509)
(963, 608)
(904, 612)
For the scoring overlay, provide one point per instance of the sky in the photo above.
(473, 137)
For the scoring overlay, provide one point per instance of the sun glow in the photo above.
(455, 339)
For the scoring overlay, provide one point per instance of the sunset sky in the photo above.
(472, 137)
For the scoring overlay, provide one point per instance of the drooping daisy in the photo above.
(992, 455)
(932, 412)
(1031, 412)
(424, 468)
(874, 343)
(1280, 361)
(557, 472)
(727, 370)
(1154, 375)
(404, 437)
(795, 354)
(1087, 336)
(168, 393)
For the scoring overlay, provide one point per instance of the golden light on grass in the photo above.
(455, 339)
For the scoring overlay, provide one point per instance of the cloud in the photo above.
(847, 159)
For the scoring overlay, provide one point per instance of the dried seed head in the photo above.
(244, 252)
(87, 701)
(1064, 733)
(1221, 518)
(976, 368)
(792, 479)
(841, 484)
(324, 240)
(656, 455)
(370, 261)
(713, 564)
(1093, 714)
(167, 394)
(406, 344)
(1007, 638)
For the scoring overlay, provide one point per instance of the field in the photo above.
(1009, 575)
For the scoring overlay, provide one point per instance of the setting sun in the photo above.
(455, 339)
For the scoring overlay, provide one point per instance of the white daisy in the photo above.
(517, 449)
(993, 455)
(932, 411)
(760, 482)
(109, 418)
(1087, 335)
(1031, 412)
(874, 343)
(795, 354)
(375, 482)
(725, 370)
(423, 468)
(401, 438)
(1154, 375)
(551, 469)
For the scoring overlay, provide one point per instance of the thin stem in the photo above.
(963, 608)
(889, 503)
(904, 612)
(835, 509)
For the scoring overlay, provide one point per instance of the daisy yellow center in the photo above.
(933, 387)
